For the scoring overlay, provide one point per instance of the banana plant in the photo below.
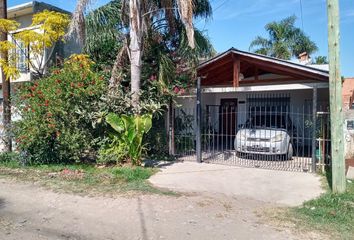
(127, 137)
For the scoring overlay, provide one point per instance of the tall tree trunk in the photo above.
(5, 88)
(135, 48)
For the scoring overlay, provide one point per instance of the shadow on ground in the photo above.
(160, 164)
(2, 203)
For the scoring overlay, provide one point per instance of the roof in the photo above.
(30, 8)
(219, 69)
(267, 58)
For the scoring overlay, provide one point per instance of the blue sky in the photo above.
(235, 23)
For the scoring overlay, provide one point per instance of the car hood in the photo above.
(263, 133)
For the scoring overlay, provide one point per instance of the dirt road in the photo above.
(30, 212)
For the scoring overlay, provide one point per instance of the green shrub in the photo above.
(126, 138)
(157, 139)
(54, 126)
(10, 159)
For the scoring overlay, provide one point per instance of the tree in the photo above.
(285, 40)
(47, 28)
(5, 84)
(320, 60)
(104, 33)
(143, 21)
(166, 53)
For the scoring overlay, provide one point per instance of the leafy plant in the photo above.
(10, 159)
(126, 141)
(184, 131)
(157, 139)
(54, 127)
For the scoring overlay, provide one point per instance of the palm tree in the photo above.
(104, 32)
(105, 37)
(5, 87)
(284, 41)
(321, 60)
(146, 19)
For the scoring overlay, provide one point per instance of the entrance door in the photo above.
(228, 121)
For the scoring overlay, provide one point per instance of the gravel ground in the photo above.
(30, 212)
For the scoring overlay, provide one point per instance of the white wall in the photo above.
(25, 20)
(300, 102)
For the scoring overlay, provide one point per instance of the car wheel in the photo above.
(290, 151)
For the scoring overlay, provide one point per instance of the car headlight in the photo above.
(241, 136)
(278, 138)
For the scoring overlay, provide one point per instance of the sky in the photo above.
(235, 23)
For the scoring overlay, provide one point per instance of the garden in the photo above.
(97, 116)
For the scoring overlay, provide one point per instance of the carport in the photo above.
(236, 87)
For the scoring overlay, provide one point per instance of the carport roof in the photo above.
(225, 70)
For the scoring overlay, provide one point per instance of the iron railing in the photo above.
(266, 133)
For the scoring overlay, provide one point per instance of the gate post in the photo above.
(171, 129)
(314, 129)
(199, 121)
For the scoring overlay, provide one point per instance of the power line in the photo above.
(214, 10)
(302, 16)
(222, 4)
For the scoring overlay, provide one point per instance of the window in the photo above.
(22, 55)
(270, 103)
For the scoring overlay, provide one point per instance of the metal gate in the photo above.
(264, 132)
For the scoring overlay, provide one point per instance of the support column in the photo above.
(199, 121)
(171, 129)
(314, 129)
(236, 71)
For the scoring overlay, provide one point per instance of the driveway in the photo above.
(276, 187)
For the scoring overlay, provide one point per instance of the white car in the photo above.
(268, 135)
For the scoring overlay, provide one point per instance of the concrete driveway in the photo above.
(279, 187)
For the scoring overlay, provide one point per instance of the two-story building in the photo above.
(23, 14)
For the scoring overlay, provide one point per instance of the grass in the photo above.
(330, 215)
(84, 179)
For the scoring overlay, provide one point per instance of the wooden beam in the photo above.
(265, 88)
(236, 71)
(216, 71)
(215, 65)
(286, 70)
(270, 80)
(256, 77)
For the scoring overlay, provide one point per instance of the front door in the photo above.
(228, 121)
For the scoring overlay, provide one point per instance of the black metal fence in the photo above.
(263, 132)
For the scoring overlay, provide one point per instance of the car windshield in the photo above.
(268, 121)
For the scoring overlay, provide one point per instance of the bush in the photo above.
(125, 141)
(10, 159)
(157, 139)
(54, 126)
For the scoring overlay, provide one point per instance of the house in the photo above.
(23, 14)
(348, 93)
(348, 109)
(246, 90)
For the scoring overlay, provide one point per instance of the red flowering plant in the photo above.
(52, 127)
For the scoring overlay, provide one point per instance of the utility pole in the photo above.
(335, 88)
(5, 87)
